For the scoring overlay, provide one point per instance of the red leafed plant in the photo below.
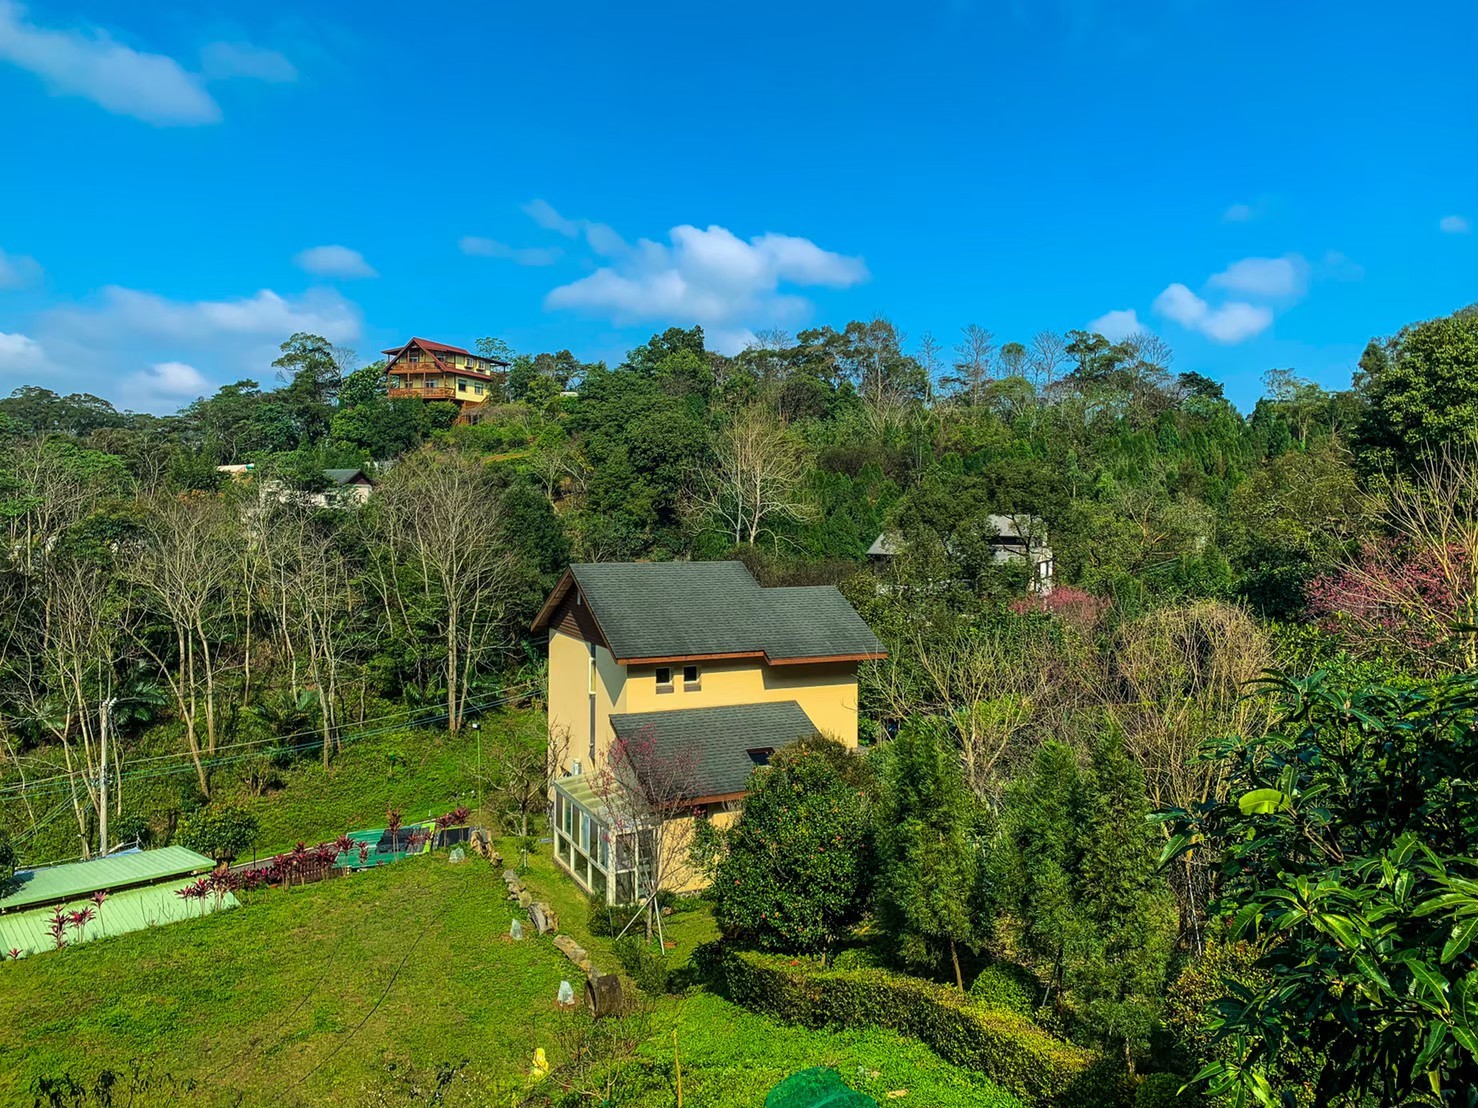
(80, 919)
(455, 818)
(15, 954)
(364, 850)
(343, 844)
(58, 928)
(1072, 605)
(392, 822)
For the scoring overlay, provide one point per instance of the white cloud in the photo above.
(1117, 325)
(87, 61)
(526, 255)
(1232, 322)
(1454, 225)
(151, 87)
(1340, 267)
(21, 354)
(601, 238)
(711, 277)
(105, 342)
(1272, 277)
(17, 270)
(1238, 213)
(171, 379)
(222, 60)
(334, 261)
(542, 212)
(267, 314)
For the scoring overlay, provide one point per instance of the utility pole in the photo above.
(106, 721)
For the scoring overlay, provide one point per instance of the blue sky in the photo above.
(1264, 185)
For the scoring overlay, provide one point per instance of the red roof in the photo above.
(427, 344)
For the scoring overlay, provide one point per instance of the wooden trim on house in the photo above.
(873, 657)
(662, 659)
(555, 599)
(717, 798)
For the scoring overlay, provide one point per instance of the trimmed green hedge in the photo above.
(1007, 1048)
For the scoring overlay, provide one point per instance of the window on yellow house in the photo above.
(664, 678)
(690, 678)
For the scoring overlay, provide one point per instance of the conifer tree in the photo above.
(929, 854)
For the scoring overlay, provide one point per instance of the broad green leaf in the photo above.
(1264, 802)
(1462, 935)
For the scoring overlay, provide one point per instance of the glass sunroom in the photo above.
(590, 844)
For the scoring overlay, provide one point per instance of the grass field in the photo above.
(312, 995)
(421, 772)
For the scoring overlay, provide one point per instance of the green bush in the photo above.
(1162, 1090)
(646, 966)
(222, 833)
(1006, 1047)
(606, 920)
(858, 957)
(1004, 986)
(129, 829)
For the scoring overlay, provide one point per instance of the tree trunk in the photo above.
(954, 955)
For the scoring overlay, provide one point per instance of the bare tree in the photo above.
(931, 359)
(437, 523)
(1049, 351)
(991, 693)
(184, 570)
(53, 495)
(1422, 587)
(80, 634)
(759, 465)
(973, 354)
(308, 589)
(346, 358)
(649, 791)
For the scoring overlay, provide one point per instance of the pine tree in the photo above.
(1128, 910)
(928, 852)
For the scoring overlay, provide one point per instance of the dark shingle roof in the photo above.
(344, 476)
(719, 739)
(678, 609)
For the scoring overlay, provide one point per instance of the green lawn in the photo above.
(308, 996)
(422, 773)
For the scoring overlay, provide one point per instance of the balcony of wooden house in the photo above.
(416, 392)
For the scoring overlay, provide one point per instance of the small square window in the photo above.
(690, 675)
(664, 677)
(761, 756)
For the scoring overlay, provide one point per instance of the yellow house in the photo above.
(705, 665)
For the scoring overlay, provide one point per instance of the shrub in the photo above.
(1004, 986)
(1006, 1047)
(222, 833)
(132, 828)
(858, 957)
(647, 967)
(606, 920)
(1162, 1090)
(7, 859)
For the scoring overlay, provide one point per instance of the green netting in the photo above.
(815, 1087)
(130, 910)
(377, 857)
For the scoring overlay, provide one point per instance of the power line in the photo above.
(64, 781)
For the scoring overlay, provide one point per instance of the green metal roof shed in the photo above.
(131, 910)
(52, 884)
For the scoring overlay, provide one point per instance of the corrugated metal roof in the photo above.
(130, 910)
(682, 609)
(719, 739)
(116, 871)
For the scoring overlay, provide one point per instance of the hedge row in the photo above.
(1008, 1048)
